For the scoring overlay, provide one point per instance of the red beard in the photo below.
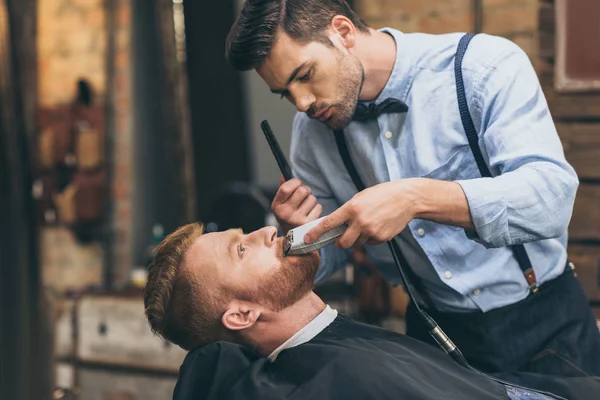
(286, 284)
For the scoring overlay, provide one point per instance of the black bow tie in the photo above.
(390, 105)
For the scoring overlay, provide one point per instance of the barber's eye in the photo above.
(305, 77)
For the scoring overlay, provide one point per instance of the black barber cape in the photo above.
(350, 360)
(347, 360)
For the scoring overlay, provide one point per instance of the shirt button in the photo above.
(388, 135)
(448, 274)
(476, 292)
(421, 231)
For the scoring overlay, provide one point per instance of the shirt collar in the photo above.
(309, 331)
(400, 79)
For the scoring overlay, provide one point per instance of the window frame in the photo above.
(562, 82)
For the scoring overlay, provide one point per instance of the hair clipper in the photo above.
(293, 243)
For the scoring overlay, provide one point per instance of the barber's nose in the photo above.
(304, 101)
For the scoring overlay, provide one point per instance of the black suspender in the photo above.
(413, 279)
(467, 121)
(469, 127)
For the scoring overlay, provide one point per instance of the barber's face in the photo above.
(322, 81)
(251, 267)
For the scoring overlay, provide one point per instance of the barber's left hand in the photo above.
(373, 216)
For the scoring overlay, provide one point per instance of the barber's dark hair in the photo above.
(253, 33)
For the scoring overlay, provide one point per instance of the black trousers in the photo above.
(550, 332)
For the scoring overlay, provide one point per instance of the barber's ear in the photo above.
(240, 315)
(342, 31)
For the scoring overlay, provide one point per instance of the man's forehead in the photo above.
(206, 251)
(215, 245)
(285, 56)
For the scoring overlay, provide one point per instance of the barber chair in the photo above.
(239, 205)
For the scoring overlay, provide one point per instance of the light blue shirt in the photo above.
(529, 200)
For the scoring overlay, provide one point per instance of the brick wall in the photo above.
(514, 19)
(71, 44)
(74, 42)
(436, 16)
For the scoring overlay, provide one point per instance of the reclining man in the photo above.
(255, 329)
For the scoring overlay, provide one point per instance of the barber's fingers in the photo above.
(350, 236)
(307, 205)
(333, 220)
(300, 194)
(314, 213)
(286, 190)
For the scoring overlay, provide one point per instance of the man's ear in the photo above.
(240, 315)
(342, 32)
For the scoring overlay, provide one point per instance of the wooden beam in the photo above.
(585, 223)
(572, 105)
(587, 268)
(582, 147)
(176, 111)
(567, 105)
(24, 327)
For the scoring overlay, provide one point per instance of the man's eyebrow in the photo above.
(237, 233)
(290, 79)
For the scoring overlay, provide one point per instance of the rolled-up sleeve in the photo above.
(532, 192)
(305, 168)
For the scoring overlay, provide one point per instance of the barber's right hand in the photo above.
(294, 204)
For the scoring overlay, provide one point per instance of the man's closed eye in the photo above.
(306, 77)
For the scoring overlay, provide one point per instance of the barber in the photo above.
(392, 100)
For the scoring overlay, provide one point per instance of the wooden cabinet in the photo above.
(114, 331)
(106, 351)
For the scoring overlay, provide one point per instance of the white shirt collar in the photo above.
(310, 330)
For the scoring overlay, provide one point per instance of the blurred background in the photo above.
(121, 120)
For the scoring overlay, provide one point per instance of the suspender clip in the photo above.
(531, 280)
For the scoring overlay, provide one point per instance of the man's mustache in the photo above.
(316, 110)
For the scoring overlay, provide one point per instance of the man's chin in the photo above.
(310, 260)
(288, 284)
(338, 124)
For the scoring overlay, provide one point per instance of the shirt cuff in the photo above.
(488, 212)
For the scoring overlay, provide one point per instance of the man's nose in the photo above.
(266, 235)
(303, 101)
(270, 235)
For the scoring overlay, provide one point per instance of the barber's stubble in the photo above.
(352, 77)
